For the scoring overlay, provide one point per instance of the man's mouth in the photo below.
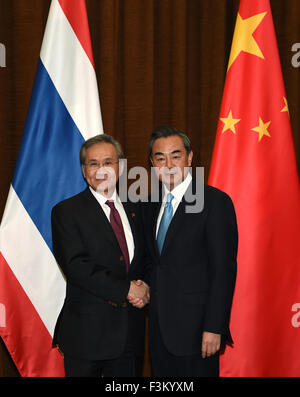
(101, 178)
(170, 173)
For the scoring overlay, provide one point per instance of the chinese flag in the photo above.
(254, 162)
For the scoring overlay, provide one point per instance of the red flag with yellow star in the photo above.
(254, 162)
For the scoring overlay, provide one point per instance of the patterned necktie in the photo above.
(116, 224)
(165, 222)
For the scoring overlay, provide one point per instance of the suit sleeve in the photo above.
(76, 263)
(222, 241)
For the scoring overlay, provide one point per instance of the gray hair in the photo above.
(102, 138)
(166, 131)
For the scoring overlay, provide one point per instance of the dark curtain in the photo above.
(157, 62)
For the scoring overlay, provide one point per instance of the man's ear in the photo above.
(83, 170)
(190, 158)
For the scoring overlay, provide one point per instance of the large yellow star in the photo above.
(229, 122)
(243, 39)
(262, 129)
(286, 107)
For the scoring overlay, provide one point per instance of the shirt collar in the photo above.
(102, 199)
(178, 191)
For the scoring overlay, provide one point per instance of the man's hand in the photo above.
(138, 294)
(210, 343)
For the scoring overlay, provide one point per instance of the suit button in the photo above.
(124, 304)
(112, 303)
(121, 258)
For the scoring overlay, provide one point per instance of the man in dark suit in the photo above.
(193, 258)
(97, 242)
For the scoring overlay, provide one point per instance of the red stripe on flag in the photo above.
(77, 17)
(24, 333)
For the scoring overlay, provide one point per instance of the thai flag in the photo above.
(64, 111)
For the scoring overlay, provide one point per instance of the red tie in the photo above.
(116, 223)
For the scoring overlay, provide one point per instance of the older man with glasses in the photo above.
(98, 243)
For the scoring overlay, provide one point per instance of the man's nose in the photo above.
(169, 162)
(101, 172)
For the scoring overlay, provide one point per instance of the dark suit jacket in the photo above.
(96, 318)
(193, 279)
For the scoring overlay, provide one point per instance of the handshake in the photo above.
(139, 294)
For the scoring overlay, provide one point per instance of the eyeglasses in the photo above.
(96, 164)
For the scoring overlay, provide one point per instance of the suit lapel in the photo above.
(175, 225)
(155, 207)
(102, 223)
(178, 218)
(98, 216)
(130, 213)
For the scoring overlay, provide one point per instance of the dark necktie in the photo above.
(116, 224)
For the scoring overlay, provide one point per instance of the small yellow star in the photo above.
(285, 108)
(243, 39)
(229, 122)
(262, 129)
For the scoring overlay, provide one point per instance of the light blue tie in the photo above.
(165, 222)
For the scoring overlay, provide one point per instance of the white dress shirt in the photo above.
(178, 192)
(119, 207)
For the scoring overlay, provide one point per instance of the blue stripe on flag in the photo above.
(48, 167)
